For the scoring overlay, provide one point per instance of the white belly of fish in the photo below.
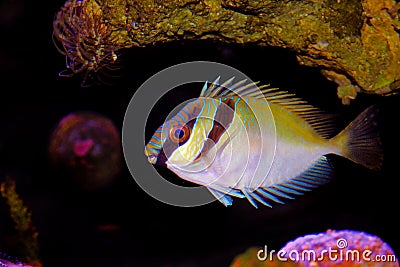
(290, 161)
(241, 165)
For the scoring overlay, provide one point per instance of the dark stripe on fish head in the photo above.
(222, 120)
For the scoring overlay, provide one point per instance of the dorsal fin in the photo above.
(321, 121)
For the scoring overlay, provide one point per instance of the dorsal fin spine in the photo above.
(318, 119)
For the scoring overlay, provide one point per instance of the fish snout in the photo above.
(151, 155)
(152, 159)
(155, 156)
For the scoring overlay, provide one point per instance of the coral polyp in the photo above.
(86, 40)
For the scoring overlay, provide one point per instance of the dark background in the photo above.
(123, 226)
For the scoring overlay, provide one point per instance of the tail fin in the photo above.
(360, 141)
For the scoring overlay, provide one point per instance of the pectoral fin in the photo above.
(223, 198)
(223, 194)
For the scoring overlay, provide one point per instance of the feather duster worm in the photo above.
(88, 43)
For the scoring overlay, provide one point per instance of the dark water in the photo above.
(123, 226)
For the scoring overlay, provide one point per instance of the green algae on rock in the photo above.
(355, 43)
(27, 243)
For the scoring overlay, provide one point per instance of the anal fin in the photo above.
(319, 173)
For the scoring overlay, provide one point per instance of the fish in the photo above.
(239, 139)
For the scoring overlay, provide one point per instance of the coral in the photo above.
(6, 263)
(357, 40)
(88, 147)
(344, 248)
(340, 248)
(28, 236)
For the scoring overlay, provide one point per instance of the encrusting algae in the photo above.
(355, 43)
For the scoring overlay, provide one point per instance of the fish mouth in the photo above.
(157, 158)
(152, 159)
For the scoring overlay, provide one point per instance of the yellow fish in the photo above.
(243, 140)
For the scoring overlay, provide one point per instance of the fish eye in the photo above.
(179, 134)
